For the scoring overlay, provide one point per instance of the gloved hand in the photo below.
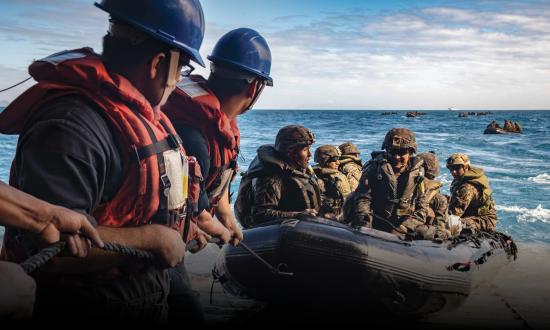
(307, 213)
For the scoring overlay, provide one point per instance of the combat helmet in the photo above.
(326, 153)
(293, 136)
(349, 148)
(458, 159)
(431, 164)
(400, 138)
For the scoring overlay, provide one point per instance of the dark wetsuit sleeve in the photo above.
(268, 191)
(196, 145)
(68, 156)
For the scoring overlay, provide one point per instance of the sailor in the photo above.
(48, 222)
(437, 202)
(471, 196)
(204, 113)
(334, 184)
(350, 163)
(279, 182)
(93, 139)
(391, 195)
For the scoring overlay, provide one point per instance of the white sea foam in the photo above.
(543, 178)
(528, 215)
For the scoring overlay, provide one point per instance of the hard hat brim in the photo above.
(193, 53)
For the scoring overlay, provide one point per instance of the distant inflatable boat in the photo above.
(319, 258)
(491, 130)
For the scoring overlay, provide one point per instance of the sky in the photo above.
(346, 54)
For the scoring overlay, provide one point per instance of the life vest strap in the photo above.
(156, 148)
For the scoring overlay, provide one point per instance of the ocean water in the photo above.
(517, 165)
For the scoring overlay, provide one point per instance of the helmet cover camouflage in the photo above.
(326, 153)
(349, 148)
(400, 138)
(292, 136)
(458, 159)
(431, 164)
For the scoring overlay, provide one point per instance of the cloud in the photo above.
(426, 58)
(423, 58)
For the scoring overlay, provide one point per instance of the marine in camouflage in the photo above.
(350, 164)
(471, 195)
(386, 202)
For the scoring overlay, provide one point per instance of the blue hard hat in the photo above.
(245, 49)
(179, 23)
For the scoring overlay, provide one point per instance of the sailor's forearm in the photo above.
(21, 210)
(223, 211)
(146, 238)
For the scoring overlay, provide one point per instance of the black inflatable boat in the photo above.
(319, 259)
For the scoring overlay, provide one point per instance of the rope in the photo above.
(128, 251)
(19, 83)
(38, 260)
(475, 237)
(515, 312)
(397, 229)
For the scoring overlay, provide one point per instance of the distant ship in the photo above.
(453, 109)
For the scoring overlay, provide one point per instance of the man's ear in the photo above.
(155, 65)
(252, 88)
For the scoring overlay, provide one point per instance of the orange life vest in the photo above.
(194, 104)
(141, 133)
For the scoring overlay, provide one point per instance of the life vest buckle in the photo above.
(165, 181)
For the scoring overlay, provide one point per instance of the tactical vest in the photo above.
(194, 104)
(476, 177)
(301, 190)
(346, 159)
(386, 200)
(432, 188)
(156, 169)
(336, 186)
(347, 165)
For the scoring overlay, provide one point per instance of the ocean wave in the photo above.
(543, 178)
(528, 215)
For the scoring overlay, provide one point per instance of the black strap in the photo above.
(158, 147)
(162, 216)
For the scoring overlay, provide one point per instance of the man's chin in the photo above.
(397, 167)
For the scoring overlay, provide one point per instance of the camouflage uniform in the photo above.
(471, 197)
(350, 164)
(384, 200)
(438, 203)
(278, 190)
(400, 200)
(334, 185)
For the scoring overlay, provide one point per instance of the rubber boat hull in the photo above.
(333, 262)
(491, 130)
